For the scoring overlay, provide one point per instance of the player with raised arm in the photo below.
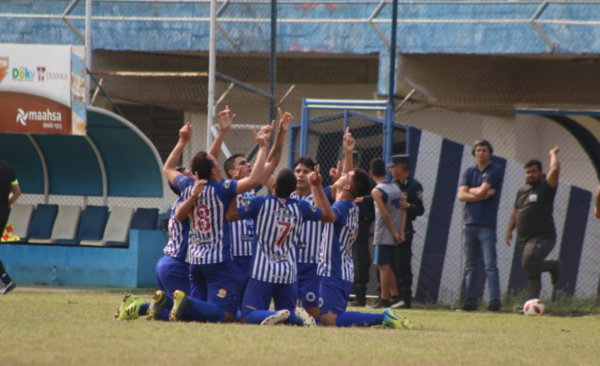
(309, 282)
(336, 266)
(209, 252)
(242, 232)
(278, 221)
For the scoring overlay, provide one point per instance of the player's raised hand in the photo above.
(260, 137)
(268, 130)
(315, 179)
(284, 119)
(225, 121)
(554, 150)
(349, 142)
(335, 173)
(185, 133)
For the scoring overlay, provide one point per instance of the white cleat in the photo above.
(278, 318)
(308, 320)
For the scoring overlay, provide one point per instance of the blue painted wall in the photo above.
(88, 266)
(350, 37)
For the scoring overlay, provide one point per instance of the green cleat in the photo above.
(159, 301)
(133, 310)
(395, 321)
(127, 300)
(180, 302)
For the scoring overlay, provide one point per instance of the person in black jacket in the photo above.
(9, 192)
(412, 203)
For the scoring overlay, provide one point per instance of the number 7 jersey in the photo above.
(277, 223)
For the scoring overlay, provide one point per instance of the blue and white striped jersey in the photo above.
(311, 233)
(336, 246)
(178, 235)
(242, 231)
(209, 238)
(278, 222)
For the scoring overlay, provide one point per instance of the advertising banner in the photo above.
(36, 90)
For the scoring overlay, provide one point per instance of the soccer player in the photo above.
(336, 267)
(309, 282)
(390, 223)
(278, 221)
(242, 232)
(9, 193)
(209, 251)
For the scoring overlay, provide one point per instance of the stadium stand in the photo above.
(145, 219)
(91, 226)
(42, 221)
(20, 217)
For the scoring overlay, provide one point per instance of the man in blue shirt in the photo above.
(478, 185)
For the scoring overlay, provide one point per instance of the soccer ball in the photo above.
(534, 307)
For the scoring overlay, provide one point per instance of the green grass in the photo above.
(53, 327)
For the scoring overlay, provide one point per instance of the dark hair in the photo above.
(285, 183)
(306, 161)
(180, 169)
(378, 167)
(360, 183)
(230, 163)
(202, 165)
(482, 143)
(533, 162)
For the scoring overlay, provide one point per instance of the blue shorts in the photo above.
(259, 293)
(241, 274)
(172, 275)
(335, 293)
(309, 284)
(384, 254)
(213, 283)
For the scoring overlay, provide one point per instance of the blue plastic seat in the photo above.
(145, 219)
(91, 226)
(42, 221)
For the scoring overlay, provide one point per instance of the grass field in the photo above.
(58, 327)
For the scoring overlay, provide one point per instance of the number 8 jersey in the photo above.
(209, 239)
(277, 223)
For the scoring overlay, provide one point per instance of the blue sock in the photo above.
(165, 315)
(358, 319)
(257, 316)
(238, 316)
(294, 320)
(144, 309)
(169, 303)
(201, 311)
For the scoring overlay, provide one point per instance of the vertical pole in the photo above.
(292, 147)
(212, 65)
(273, 68)
(389, 115)
(88, 49)
(346, 121)
(304, 130)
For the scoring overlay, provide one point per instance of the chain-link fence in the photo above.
(458, 98)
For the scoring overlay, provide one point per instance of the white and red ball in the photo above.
(534, 307)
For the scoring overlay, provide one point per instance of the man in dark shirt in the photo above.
(360, 249)
(478, 186)
(532, 216)
(9, 192)
(412, 204)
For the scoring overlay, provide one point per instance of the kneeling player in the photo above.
(336, 266)
(278, 221)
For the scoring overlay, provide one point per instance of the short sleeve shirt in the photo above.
(535, 205)
(484, 212)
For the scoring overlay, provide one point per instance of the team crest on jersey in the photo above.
(222, 293)
(420, 195)
(404, 194)
(226, 184)
(313, 208)
(484, 175)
